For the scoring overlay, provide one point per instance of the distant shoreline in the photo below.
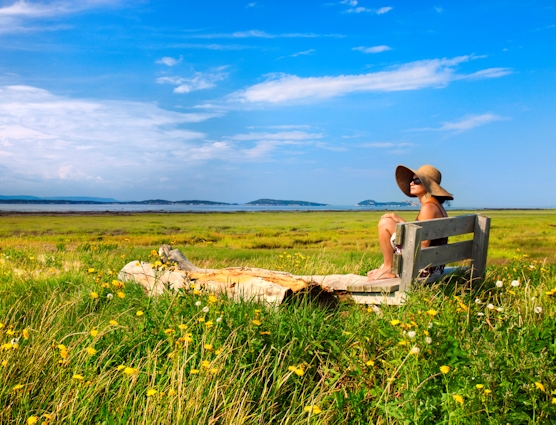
(160, 212)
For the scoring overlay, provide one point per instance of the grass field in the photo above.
(80, 347)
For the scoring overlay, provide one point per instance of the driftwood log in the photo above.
(248, 283)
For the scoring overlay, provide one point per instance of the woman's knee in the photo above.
(386, 223)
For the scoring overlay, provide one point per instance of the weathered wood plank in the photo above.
(383, 285)
(480, 246)
(377, 298)
(446, 227)
(410, 255)
(451, 253)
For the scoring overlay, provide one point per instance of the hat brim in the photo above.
(404, 175)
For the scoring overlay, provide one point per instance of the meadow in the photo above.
(78, 346)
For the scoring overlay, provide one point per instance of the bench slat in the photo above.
(446, 227)
(437, 255)
(383, 285)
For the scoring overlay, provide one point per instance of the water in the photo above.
(88, 208)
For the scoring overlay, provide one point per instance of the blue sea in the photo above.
(88, 208)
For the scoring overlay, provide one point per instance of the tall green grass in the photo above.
(77, 346)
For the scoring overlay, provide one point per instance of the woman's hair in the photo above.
(440, 199)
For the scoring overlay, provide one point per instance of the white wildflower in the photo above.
(538, 309)
(430, 325)
(499, 309)
(490, 306)
(478, 301)
(205, 309)
(218, 319)
(428, 340)
(415, 350)
(109, 296)
(198, 303)
(480, 313)
(411, 334)
(499, 284)
(515, 283)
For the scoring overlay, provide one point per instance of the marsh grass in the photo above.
(77, 346)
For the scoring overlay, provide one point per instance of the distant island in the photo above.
(277, 202)
(371, 203)
(83, 200)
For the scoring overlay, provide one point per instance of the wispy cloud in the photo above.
(374, 49)
(262, 34)
(354, 8)
(210, 46)
(198, 81)
(385, 145)
(281, 88)
(169, 61)
(466, 123)
(281, 135)
(304, 53)
(15, 17)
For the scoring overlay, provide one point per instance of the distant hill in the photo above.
(371, 203)
(24, 199)
(277, 202)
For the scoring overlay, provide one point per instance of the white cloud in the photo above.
(374, 49)
(384, 145)
(262, 34)
(438, 9)
(281, 88)
(487, 73)
(169, 61)
(252, 4)
(13, 17)
(282, 135)
(360, 9)
(466, 123)
(45, 138)
(199, 80)
(383, 10)
(304, 53)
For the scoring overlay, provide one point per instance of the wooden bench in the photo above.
(412, 260)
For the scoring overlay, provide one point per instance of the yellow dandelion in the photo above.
(217, 352)
(205, 364)
(4, 363)
(539, 386)
(17, 387)
(113, 323)
(47, 416)
(299, 371)
(32, 420)
(137, 263)
(457, 398)
(213, 370)
(479, 386)
(91, 351)
(25, 333)
(182, 327)
(151, 392)
(444, 369)
(94, 295)
(187, 338)
(315, 410)
(432, 312)
(120, 294)
(265, 333)
(487, 391)
(78, 377)
(120, 368)
(394, 322)
(64, 354)
(292, 368)
(194, 371)
(91, 270)
(172, 392)
(139, 313)
(10, 332)
(257, 322)
(209, 324)
(169, 331)
(201, 319)
(208, 347)
(196, 292)
(553, 400)
(94, 332)
(212, 299)
(370, 363)
(130, 370)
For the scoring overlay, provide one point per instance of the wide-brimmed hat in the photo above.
(429, 176)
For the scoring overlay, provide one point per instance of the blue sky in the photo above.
(316, 100)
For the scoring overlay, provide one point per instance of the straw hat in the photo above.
(429, 176)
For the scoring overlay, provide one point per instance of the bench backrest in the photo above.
(413, 258)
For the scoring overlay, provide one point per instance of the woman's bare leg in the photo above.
(386, 228)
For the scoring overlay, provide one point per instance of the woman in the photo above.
(423, 183)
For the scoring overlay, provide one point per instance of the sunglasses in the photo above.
(416, 180)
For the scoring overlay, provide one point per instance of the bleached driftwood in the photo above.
(236, 282)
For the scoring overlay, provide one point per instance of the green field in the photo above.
(80, 347)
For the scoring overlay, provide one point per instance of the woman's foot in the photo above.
(380, 273)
